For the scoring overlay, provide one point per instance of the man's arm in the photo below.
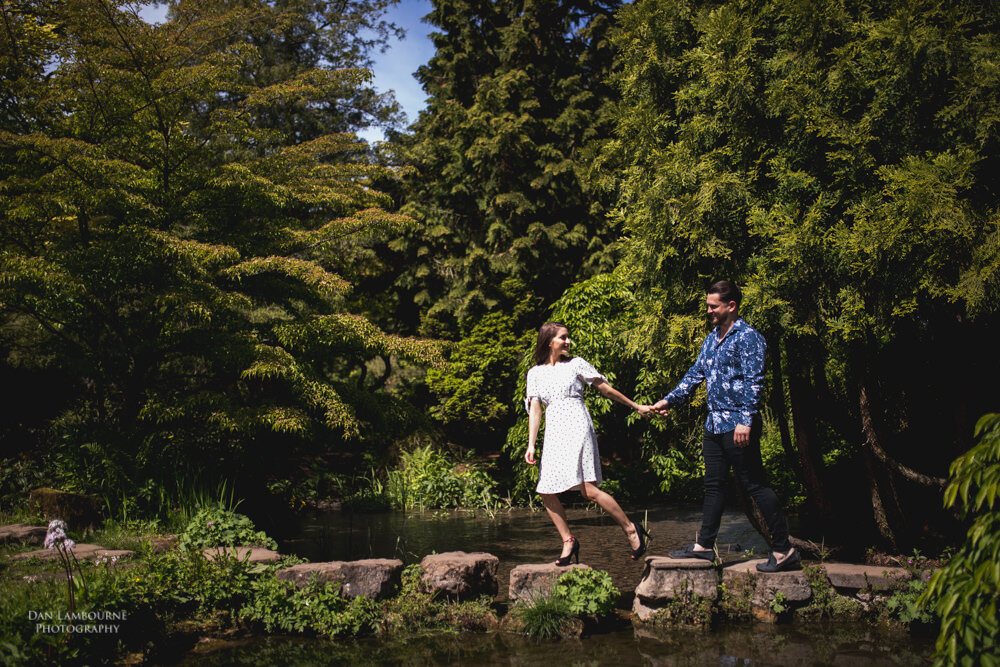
(752, 353)
(694, 377)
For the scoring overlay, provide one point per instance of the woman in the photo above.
(569, 458)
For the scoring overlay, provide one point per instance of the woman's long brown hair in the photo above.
(546, 333)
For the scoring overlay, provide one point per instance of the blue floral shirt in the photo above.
(734, 368)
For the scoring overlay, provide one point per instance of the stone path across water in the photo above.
(458, 574)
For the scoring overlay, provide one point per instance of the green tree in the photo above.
(836, 160)
(518, 101)
(164, 248)
(498, 174)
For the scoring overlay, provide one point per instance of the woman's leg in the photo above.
(558, 515)
(591, 491)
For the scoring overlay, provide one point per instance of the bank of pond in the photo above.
(129, 594)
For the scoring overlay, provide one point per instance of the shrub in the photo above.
(545, 617)
(426, 479)
(218, 527)
(587, 592)
(965, 591)
(904, 603)
(317, 607)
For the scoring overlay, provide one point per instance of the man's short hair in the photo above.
(727, 291)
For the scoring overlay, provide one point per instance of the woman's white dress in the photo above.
(569, 452)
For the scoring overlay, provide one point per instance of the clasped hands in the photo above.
(660, 409)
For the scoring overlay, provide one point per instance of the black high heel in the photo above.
(643, 543)
(563, 561)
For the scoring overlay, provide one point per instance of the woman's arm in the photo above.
(610, 392)
(534, 421)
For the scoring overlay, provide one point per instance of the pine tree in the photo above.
(837, 160)
(163, 242)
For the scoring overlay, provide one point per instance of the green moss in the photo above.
(734, 598)
(685, 608)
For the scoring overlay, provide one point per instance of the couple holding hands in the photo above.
(731, 361)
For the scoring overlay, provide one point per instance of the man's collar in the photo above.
(737, 325)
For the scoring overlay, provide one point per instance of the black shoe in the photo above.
(644, 538)
(791, 562)
(563, 561)
(689, 552)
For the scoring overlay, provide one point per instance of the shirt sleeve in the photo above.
(531, 389)
(694, 377)
(752, 354)
(586, 372)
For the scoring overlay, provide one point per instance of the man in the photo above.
(732, 360)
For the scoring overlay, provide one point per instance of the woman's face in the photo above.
(560, 342)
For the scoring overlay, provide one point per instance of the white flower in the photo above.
(56, 534)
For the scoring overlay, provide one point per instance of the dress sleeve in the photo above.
(532, 390)
(586, 372)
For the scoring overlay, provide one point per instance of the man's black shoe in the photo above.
(791, 562)
(689, 552)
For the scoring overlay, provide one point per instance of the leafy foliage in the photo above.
(427, 479)
(964, 592)
(544, 617)
(317, 607)
(518, 95)
(587, 592)
(218, 527)
(832, 161)
(167, 242)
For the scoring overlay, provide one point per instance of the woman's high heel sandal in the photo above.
(563, 561)
(644, 539)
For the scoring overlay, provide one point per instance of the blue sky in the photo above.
(393, 70)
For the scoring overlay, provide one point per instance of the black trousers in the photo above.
(720, 453)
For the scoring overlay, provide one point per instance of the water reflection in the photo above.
(813, 644)
(515, 537)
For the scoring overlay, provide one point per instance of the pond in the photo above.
(525, 536)
(516, 537)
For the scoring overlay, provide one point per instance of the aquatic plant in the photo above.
(427, 479)
(545, 616)
(587, 592)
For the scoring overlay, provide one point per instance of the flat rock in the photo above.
(461, 574)
(163, 543)
(794, 584)
(81, 551)
(528, 582)
(22, 533)
(76, 509)
(375, 577)
(256, 554)
(665, 579)
(844, 575)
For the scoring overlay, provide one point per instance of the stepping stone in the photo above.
(528, 582)
(81, 551)
(257, 554)
(461, 574)
(22, 533)
(375, 577)
(665, 578)
(794, 584)
(857, 577)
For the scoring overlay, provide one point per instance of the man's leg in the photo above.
(749, 471)
(716, 467)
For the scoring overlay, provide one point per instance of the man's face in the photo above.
(719, 311)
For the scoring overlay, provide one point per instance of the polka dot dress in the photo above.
(569, 453)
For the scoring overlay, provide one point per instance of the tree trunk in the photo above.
(777, 405)
(803, 400)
